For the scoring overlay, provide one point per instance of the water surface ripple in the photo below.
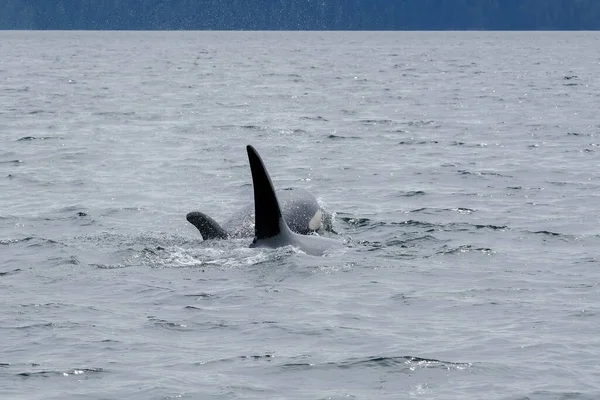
(461, 168)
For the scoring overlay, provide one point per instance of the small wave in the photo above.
(48, 305)
(419, 224)
(558, 183)
(7, 273)
(23, 89)
(421, 123)
(424, 225)
(40, 112)
(338, 137)
(33, 326)
(31, 241)
(555, 395)
(230, 105)
(403, 360)
(358, 222)
(409, 362)
(30, 138)
(376, 121)
(587, 260)
(419, 142)
(254, 357)
(457, 227)
(429, 210)
(579, 134)
(41, 242)
(267, 357)
(13, 241)
(45, 374)
(362, 222)
(253, 127)
(463, 210)
(412, 193)
(426, 210)
(108, 266)
(168, 325)
(492, 227)
(557, 235)
(466, 249)
(69, 260)
(69, 209)
(398, 242)
(296, 131)
(224, 127)
(200, 295)
(317, 118)
(482, 173)
(547, 233)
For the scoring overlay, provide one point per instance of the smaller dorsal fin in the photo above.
(267, 213)
(208, 227)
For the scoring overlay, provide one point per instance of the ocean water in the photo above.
(462, 171)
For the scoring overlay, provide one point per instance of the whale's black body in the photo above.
(271, 229)
(300, 209)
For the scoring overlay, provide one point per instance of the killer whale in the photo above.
(270, 228)
(301, 211)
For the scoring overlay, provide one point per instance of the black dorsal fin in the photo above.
(208, 227)
(268, 221)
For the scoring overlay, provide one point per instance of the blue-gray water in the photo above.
(462, 168)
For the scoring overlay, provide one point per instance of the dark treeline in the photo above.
(301, 14)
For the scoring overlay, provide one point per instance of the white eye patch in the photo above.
(316, 221)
